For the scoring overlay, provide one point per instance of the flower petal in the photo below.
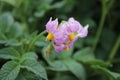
(51, 26)
(59, 48)
(83, 33)
(73, 25)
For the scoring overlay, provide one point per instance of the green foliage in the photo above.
(6, 22)
(9, 30)
(26, 55)
(9, 71)
(106, 72)
(12, 2)
(9, 53)
(9, 27)
(84, 55)
(20, 61)
(26, 75)
(30, 56)
(34, 67)
(76, 68)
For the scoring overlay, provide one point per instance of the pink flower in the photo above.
(51, 27)
(65, 46)
(65, 34)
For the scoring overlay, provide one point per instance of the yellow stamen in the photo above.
(67, 49)
(49, 36)
(71, 36)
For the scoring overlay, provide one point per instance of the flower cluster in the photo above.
(65, 34)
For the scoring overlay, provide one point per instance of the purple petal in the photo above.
(83, 33)
(59, 48)
(51, 26)
(59, 37)
(73, 25)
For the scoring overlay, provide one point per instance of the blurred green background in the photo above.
(103, 17)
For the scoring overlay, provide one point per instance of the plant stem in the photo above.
(1, 7)
(105, 10)
(35, 39)
(114, 50)
(100, 27)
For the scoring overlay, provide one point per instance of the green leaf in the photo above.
(84, 55)
(98, 62)
(65, 77)
(79, 43)
(35, 67)
(9, 28)
(27, 75)
(65, 54)
(51, 57)
(9, 71)
(42, 42)
(55, 65)
(6, 21)
(11, 2)
(2, 38)
(76, 68)
(16, 30)
(106, 72)
(87, 57)
(58, 5)
(30, 55)
(9, 53)
(39, 13)
(13, 42)
(58, 66)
